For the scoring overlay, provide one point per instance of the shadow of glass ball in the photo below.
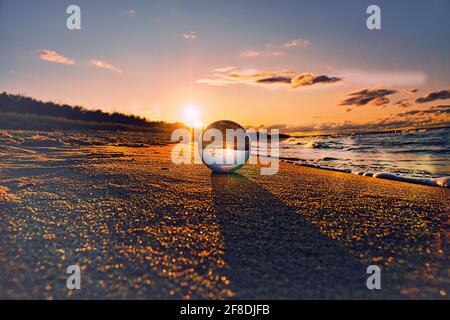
(225, 146)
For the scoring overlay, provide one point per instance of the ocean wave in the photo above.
(424, 151)
(434, 182)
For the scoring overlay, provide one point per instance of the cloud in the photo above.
(404, 103)
(257, 74)
(105, 65)
(363, 97)
(265, 78)
(275, 79)
(250, 53)
(295, 43)
(435, 111)
(190, 35)
(225, 69)
(308, 79)
(131, 12)
(440, 95)
(274, 49)
(254, 53)
(289, 44)
(434, 116)
(53, 56)
(226, 76)
(381, 101)
(218, 82)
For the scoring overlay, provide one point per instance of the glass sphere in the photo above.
(225, 146)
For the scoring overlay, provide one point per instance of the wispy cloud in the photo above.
(251, 53)
(274, 50)
(105, 65)
(381, 101)
(435, 111)
(295, 43)
(289, 44)
(225, 69)
(190, 35)
(404, 103)
(53, 56)
(363, 97)
(440, 95)
(131, 12)
(255, 53)
(225, 76)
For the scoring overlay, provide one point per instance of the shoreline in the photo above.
(443, 182)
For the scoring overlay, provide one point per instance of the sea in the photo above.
(416, 155)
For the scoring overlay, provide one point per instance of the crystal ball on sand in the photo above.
(225, 146)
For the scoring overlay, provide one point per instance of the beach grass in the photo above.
(28, 121)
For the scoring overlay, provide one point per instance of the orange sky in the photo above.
(154, 59)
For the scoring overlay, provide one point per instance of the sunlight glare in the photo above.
(191, 116)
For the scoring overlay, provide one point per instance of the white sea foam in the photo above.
(436, 182)
(390, 176)
(416, 156)
(443, 182)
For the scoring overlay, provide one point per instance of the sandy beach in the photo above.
(141, 227)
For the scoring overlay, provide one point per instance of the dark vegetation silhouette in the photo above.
(20, 104)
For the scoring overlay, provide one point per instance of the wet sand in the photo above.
(141, 227)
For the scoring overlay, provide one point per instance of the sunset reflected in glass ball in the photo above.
(225, 146)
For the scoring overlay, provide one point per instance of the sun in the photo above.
(192, 116)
